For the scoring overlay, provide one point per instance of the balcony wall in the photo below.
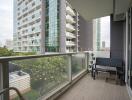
(117, 39)
(85, 34)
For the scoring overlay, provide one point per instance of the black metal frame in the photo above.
(12, 88)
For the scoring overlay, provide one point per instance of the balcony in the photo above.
(40, 76)
(70, 43)
(70, 28)
(44, 76)
(69, 19)
(47, 77)
(69, 50)
(89, 89)
(70, 11)
(70, 35)
(66, 76)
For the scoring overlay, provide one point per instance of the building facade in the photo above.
(97, 34)
(45, 26)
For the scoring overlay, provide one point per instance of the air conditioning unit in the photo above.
(119, 9)
(119, 17)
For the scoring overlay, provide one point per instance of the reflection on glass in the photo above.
(36, 77)
(78, 63)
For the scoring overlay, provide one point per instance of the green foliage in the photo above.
(32, 95)
(5, 52)
(23, 53)
(45, 73)
(78, 64)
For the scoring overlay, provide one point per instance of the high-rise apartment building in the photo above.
(97, 34)
(45, 26)
(103, 44)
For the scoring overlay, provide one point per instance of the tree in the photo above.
(45, 72)
(5, 52)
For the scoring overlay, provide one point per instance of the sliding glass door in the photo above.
(129, 48)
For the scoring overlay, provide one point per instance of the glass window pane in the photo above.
(36, 77)
(78, 63)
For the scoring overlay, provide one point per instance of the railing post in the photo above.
(1, 80)
(5, 79)
(86, 60)
(70, 67)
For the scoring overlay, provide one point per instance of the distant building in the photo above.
(103, 44)
(21, 81)
(97, 34)
(9, 44)
(104, 47)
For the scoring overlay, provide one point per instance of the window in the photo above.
(33, 28)
(33, 16)
(102, 36)
(33, 4)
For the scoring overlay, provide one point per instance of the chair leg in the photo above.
(94, 74)
(116, 78)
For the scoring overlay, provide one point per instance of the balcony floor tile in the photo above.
(89, 89)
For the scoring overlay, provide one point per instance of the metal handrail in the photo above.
(10, 58)
(12, 88)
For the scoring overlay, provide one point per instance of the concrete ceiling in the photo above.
(91, 9)
(121, 6)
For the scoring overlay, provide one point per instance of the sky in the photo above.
(6, 20)
(105, 30)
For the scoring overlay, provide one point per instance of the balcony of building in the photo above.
(70, 11)
(70, 43)
(57, 77)
(68, 76)
(69, 19)
(70, 35)
(70, 28)
(99, 89)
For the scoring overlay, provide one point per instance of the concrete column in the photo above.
(42, 46)
(62, 26)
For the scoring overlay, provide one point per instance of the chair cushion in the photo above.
(103, 61)
(105, 68)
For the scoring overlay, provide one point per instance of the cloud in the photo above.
(6, 20)
(105, 30)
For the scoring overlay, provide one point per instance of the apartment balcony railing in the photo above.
(40, 77)
(70, 28)
(33, 44)
(70, 11)
(69, 50)
(69, 19)
(70, 35)
(70, 43)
